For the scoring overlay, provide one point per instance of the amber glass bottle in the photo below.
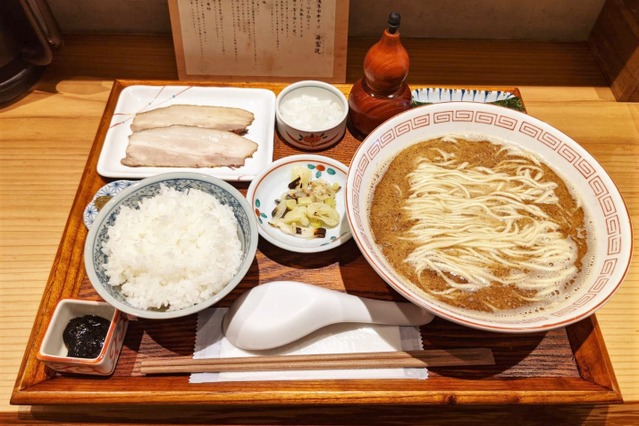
(382, 92)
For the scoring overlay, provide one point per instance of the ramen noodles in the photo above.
(479, 224)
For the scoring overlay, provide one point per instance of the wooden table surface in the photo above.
(45, 138)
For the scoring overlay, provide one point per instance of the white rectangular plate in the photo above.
(136, 99)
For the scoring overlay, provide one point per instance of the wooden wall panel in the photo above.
(614, 41)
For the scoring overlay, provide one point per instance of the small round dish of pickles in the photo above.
(299, 203)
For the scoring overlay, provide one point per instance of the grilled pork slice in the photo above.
(187, 146)
(234, 120)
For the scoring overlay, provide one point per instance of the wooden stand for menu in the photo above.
(263, 40)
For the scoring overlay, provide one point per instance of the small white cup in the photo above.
(311, 139)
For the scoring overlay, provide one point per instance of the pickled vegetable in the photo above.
(324, 213)
(308, 207)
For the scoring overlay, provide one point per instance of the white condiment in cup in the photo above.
(311, 115)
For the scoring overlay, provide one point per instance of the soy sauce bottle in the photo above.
(382, 92)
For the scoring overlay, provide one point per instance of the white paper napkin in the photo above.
(338, 338)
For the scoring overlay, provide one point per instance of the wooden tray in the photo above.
(568, 365)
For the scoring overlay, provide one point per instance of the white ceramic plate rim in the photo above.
(116, 200)
(577, 164)
(282, 167)
(140, 98)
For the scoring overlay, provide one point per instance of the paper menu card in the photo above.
(260, 40)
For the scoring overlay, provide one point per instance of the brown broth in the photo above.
(389, 222)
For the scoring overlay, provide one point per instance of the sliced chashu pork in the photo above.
(234, 120)
(187, 146)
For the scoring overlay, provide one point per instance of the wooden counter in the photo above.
(46, 136)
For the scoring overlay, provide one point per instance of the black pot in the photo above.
(28, 36)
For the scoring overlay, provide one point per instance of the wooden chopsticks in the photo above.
(362, 360)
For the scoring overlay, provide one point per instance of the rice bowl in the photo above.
(171, 245)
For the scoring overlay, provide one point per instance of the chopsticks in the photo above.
(362, 360)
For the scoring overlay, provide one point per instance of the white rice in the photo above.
(175, 250)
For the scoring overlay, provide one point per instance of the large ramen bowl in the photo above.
(600, 197)
(95, 258)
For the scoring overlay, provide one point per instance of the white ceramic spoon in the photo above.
(280, 312)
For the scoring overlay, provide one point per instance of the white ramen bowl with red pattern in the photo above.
(601, 199)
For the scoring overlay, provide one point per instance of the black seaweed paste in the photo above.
(84, 336)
